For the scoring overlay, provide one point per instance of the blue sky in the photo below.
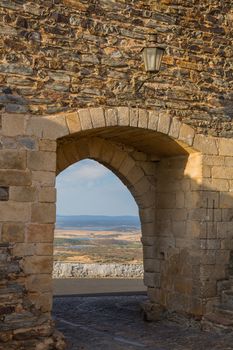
(89, 188)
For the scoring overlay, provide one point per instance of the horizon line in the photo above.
(97, 215)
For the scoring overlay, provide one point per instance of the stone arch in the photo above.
(187, 220)
(111, 136)
(87, 119)
(184, 160)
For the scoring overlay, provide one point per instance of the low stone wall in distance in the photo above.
(78, 270)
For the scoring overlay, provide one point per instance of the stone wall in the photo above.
(180, 180)
(65, 54)
(60, 60)
(97, 270)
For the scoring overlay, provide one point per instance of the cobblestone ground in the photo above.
(114, 322)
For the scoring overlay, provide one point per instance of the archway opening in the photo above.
(98, 231)
(97, 246)
(162, 171)
(158, 171)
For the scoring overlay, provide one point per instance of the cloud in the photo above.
(88, 187)
(87, 171)
(91, 171)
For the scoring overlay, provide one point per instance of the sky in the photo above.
(89, 188)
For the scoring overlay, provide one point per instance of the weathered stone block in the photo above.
(47, 145)
(152, 265)
(97, 117)
(42, 302)
(107, 154)
(123, 116)
(4, 193)
(36, 264)
(143, 186)
(135, 175)
(85, 119)
(118, 159)
(179, 228)
(148, 229)
(12, 159)
(43, 213)
(147, 215)
(44, 249)
(222, 172)
(180, 200)
(40, 233)
(213, 160)
(213, 185)
(210, 244)
(225, 147)
(66, 156)
(227, 214)
(167, 200)
(83, 149)
(183, 285)
(13, 232)
(49, 128)
(13, 125)
(142, 119)
(111, 117)
(24, 249)
(27, 143)
(22, 193)
(148, 251)
(147, 200)
(95, 147)
(164, 123)
(226, 200)
(134, 115)
(153, 120)
(73, 122)
(186, 134)
(47, 195)
(127, 164)
(175, 128)
(14, 211)
(149, 279)
(39, 282)
(70, 153)
(43, 178)
(206, 145)
(39, 160)
(228, 161)
(224, 229)
(196, 229)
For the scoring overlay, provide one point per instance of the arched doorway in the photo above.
(153, 157)
(98, 233)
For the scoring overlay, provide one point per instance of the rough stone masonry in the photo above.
(73, 86)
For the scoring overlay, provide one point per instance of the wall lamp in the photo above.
(153, 54)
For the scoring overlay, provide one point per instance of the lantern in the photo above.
(153, 58)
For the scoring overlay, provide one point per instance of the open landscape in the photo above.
(98, 246)
(91, 246)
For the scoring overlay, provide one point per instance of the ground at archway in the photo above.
(115, 323)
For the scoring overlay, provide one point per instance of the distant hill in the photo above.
(98, 223)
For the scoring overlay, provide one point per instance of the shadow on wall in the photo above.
(193, 237)
(185, 224)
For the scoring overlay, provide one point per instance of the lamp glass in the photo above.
(153, 58)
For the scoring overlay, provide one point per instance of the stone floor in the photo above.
(114, 323)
